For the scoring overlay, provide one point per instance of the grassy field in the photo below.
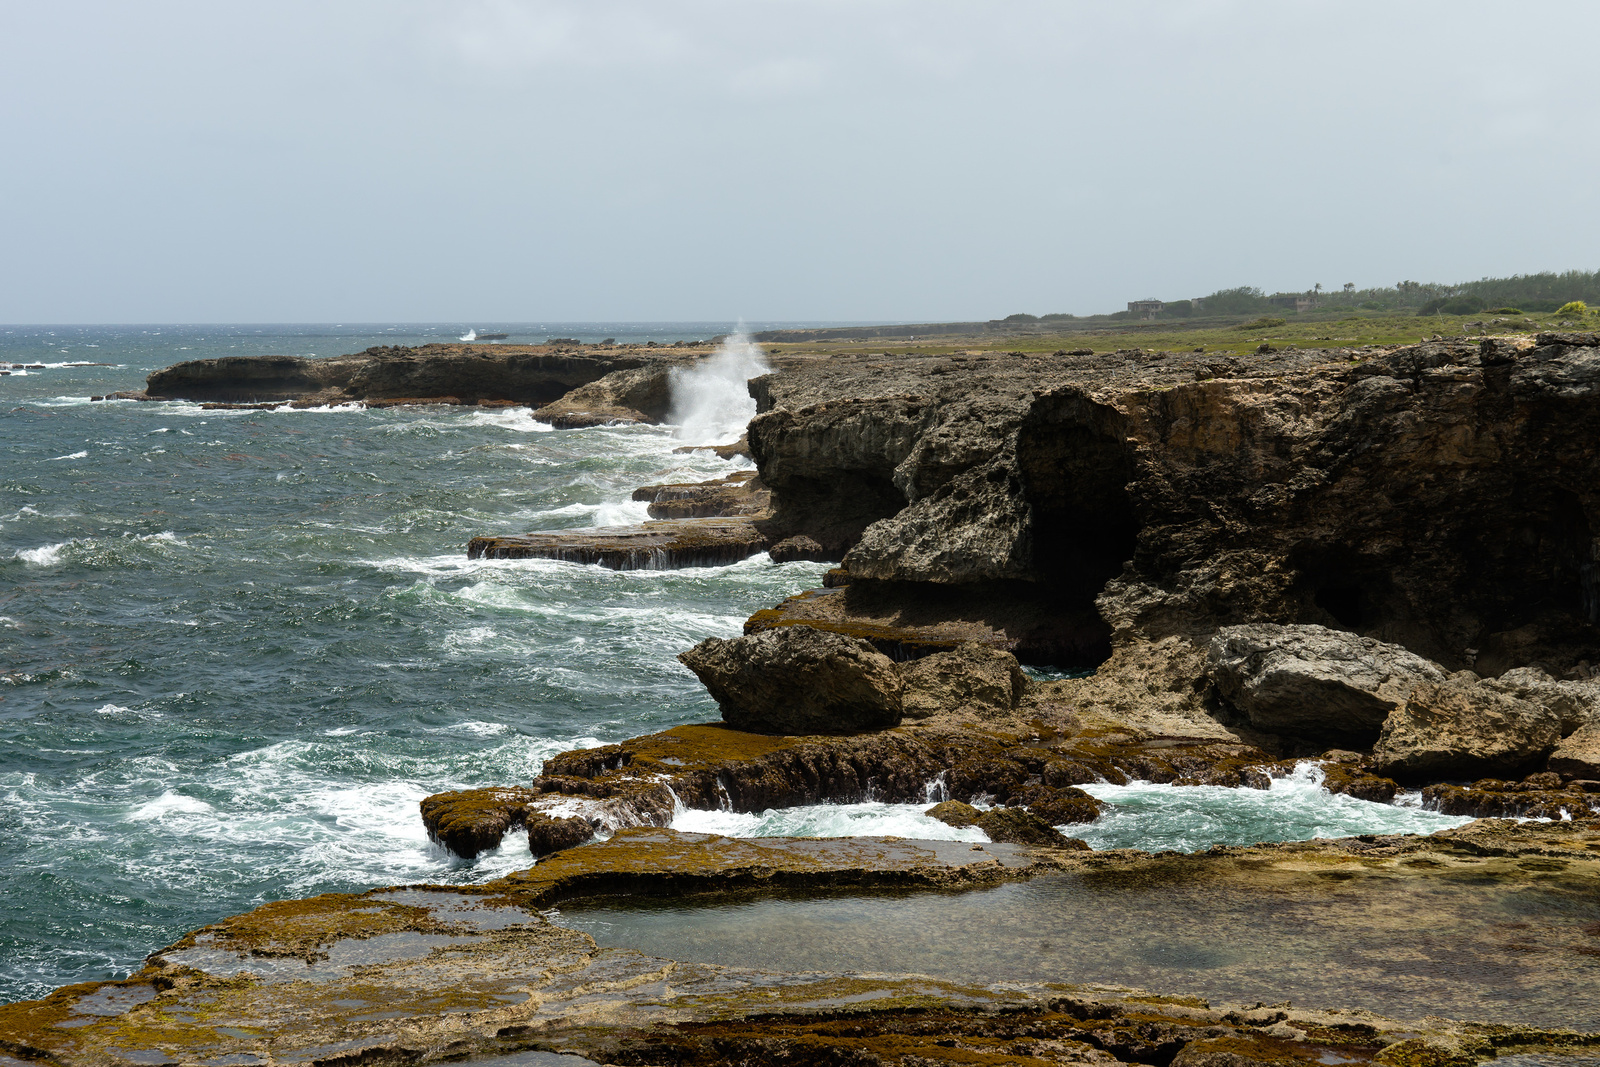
(1222, 336)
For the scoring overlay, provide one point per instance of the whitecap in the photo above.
(44, 555)
(169, 803)
(1152, 817)
(474, 728)
(867, 819)
(74, 455)
(520, 420)
(113, 709)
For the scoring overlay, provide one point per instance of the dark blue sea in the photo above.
(238, 647)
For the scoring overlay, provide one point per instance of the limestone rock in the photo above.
(660, 544)
(1422, 495)
(797, 680)
(954, 813)
(471, 821)
(972, 677)
(1007, 825)
(1463, 728)
(547, 834)
(1577, 703)
(1578, 756)
(1310, 680)
(740, 493)
(632, 394)
(800, 547)
(536, 374)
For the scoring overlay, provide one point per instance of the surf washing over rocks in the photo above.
(243, 644)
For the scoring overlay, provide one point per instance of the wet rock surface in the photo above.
(740, 493)
(1012, 825)
(433, 974)
(657, 545)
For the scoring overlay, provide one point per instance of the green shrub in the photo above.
(1178, 309)
(1575, 308)
(1505, 311)
(1262, 323)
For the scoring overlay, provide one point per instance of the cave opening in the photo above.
(1075, 465)
(835, 510)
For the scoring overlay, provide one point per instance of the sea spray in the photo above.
(711, 403)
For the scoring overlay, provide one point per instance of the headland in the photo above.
(1379, 559)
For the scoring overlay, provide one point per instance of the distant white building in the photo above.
(1147, 308)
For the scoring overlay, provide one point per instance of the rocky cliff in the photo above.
(1442, 497)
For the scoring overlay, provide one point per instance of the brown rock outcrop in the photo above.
(1010, 825)
(1464, 728)
(739, 493)
(474, 820)
(529, 374)
(1373, 491)
(656, 545)
(1578, 756)
(1309, 680)
(970, 678)
(798, 680)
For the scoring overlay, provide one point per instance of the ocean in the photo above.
(238, 647)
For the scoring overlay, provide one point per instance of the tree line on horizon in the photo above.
(1537, 293)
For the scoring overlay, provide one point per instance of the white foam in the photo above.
(169, 803)
(1151, 816)
(74, 455)
(867, 819)
(711, 402)
(44, 555)
(625, 513)
(520, 420)
(113, 709)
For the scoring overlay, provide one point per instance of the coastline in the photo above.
(1123, 720)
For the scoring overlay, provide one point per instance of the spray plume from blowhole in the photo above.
(711, 403)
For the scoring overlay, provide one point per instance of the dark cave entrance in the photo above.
(1075, 464)
(1464, 578)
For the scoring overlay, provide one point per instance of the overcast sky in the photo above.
(513, 160)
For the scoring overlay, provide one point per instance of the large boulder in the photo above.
(797, 680)
(972, 678)
(1578, 756)
(1465, 728)
(1576, 703)
(1310, 680)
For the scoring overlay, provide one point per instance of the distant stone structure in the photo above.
(1147, 308)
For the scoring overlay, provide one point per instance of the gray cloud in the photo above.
(917, 159)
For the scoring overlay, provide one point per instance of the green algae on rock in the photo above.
(430, 974)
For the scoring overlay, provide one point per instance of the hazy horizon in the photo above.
(522, 161)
